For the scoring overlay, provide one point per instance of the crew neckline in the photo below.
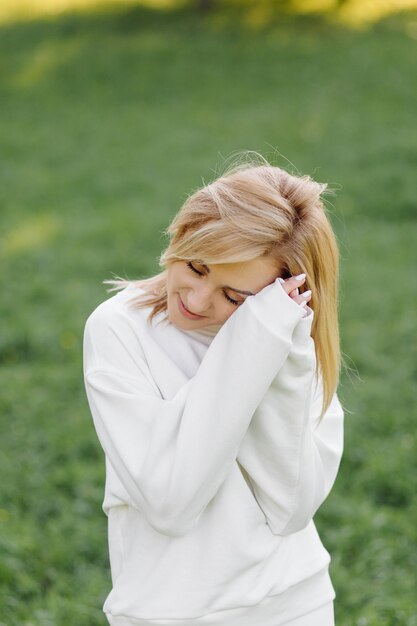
(204, 334)
(208, 331)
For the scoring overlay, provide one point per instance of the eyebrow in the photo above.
(246, 293)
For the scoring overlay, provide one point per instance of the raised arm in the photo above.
(290, 460)
(173, 455)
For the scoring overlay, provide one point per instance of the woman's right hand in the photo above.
(291, 286)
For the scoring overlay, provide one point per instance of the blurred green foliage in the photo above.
(109, 119)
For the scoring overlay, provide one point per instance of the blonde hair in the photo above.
(256, 209)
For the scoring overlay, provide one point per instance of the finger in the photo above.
(304, 297)
(292, 283)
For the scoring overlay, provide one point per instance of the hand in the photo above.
(291, 286)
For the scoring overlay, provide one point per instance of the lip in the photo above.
(186, 312)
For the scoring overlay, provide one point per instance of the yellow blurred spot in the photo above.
(45, 59)
(4, 515)
(314, 6)
(411, 29)
(259, 15)
(30, 234)
(359, 13)
(355, 13)
(68, 340)
(14, 10)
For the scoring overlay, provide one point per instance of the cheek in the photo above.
(174, 279)
(226, 313)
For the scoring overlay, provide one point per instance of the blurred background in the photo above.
(111, 113)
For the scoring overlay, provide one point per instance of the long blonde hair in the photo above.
(256, 209)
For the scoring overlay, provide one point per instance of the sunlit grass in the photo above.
(11, 10)
(355, 13)
(360, 13)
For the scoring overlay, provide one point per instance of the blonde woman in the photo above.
(212, 388)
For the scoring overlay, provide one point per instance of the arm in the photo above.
(173, 455)
(292, 462)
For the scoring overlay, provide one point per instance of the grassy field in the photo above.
(109, 118)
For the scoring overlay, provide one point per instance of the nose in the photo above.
(198, 301)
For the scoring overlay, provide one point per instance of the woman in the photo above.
(212, 387)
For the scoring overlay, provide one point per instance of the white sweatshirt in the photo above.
(215, 463)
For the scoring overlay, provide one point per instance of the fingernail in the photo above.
(303, 304)
(300, 277)
(306, 294)
(281, 280)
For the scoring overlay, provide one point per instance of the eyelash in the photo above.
(192, 268)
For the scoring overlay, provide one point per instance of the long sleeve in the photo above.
(289, 459)
(173, 455)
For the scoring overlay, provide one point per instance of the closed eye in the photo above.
(192, 268)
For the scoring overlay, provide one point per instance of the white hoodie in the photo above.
(215, 463)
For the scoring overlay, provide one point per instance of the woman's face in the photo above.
(213, 292)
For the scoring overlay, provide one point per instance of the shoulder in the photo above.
(117, 317)
(114, 334)
(115, 308)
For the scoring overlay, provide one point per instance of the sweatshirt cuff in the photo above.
(278, 310)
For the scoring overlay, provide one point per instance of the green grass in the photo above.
(109, 119)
